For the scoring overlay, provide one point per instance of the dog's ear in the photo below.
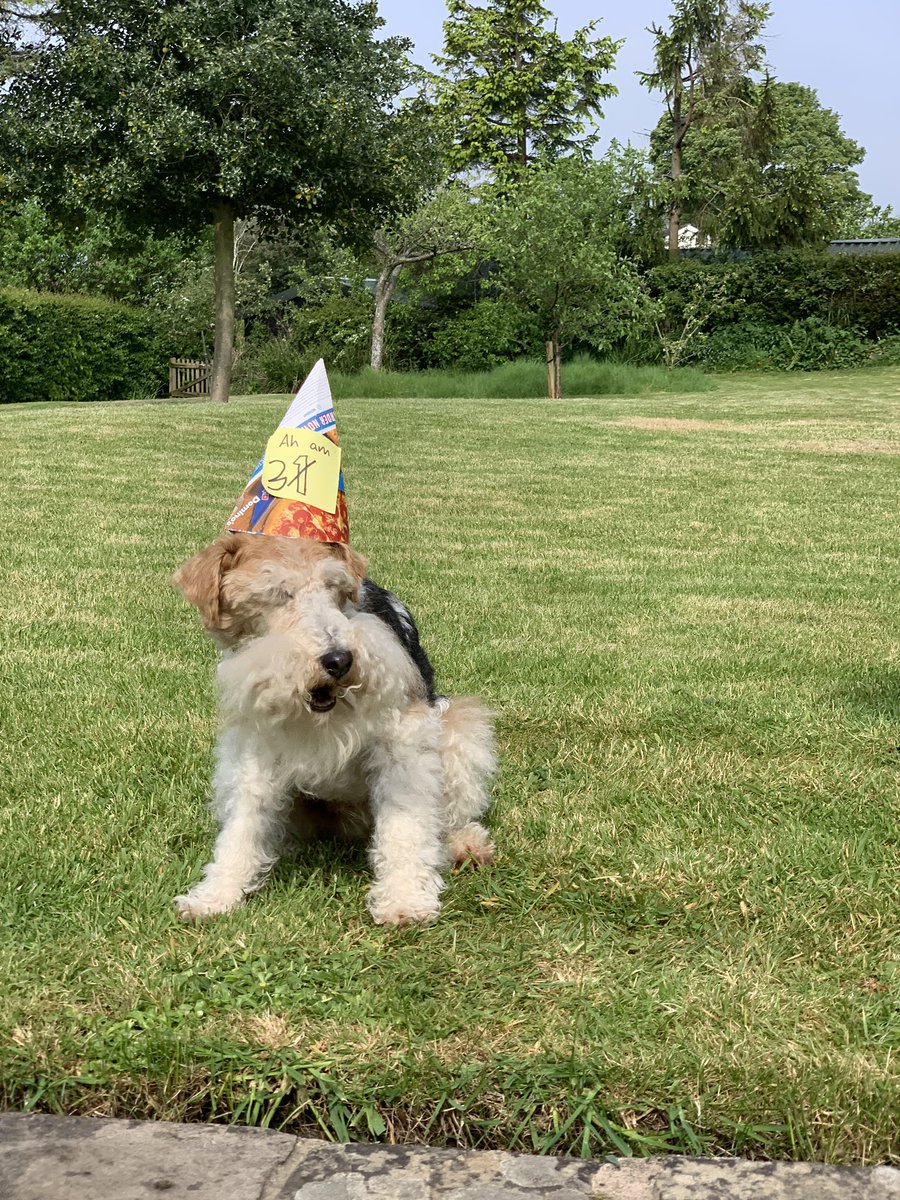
(355, 564)
(200, 578)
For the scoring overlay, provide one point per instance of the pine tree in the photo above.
(514, 91)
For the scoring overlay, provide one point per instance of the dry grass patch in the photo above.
(844, 446)
(681, 424)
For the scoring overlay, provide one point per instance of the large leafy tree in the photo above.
(556, 239)
(179, 112)
(513, 91)
(778, 172)
(703, 65)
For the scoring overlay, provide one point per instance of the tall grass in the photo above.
(520, 380)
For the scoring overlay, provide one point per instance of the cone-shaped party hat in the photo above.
(297, 489)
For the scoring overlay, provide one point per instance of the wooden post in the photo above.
(554, 371)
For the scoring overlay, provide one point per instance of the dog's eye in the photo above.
(283, 595)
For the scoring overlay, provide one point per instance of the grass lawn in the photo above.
(685, 610)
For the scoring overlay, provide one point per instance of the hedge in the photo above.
(860, 291)
(790, 310)
(63, 347)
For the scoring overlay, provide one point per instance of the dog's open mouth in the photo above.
(321, 700)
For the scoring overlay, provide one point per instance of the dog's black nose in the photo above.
(337, 663)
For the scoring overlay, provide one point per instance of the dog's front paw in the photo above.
(200, 903)
(411, 908)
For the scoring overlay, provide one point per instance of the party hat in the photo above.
(297, 489)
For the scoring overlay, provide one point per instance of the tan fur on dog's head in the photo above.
(240, 582)
(286, 605)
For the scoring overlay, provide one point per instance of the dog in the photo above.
(331, 724)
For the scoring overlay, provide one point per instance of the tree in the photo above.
(7, 40)
(778, 173)
(514, 91)
(702, 66)
(98, 257)
(177, 112)
(865, 219)
(444, 224)
(13, 15)
(555, 240)
(642, 198)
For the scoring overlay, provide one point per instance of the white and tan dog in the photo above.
(331, 724)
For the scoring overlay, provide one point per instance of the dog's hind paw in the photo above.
(198, 904)
(471, 844)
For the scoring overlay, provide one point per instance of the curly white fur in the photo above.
(382, 760)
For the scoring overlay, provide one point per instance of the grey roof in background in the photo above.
(865, 246)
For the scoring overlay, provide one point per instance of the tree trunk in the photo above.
(675, 211)
(522, 133)
(384, 290)
(678, 132)
(554, 374)
(223, 216)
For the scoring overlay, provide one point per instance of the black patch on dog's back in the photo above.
(384, 604)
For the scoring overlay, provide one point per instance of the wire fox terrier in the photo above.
(331, 725)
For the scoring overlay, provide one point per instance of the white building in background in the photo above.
(690, 238)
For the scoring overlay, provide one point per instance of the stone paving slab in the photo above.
(80, 1158)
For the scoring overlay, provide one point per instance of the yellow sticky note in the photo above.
(303, 466)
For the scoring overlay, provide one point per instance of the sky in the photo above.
(847, 52)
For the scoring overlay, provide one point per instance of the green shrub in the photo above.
(62, 347)
(338, 330)
(808, 345)
(750, 346)
(271, 364)
(799, 310)
(483, 336)
(410, 333)
(852, 290)
(886, 352)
